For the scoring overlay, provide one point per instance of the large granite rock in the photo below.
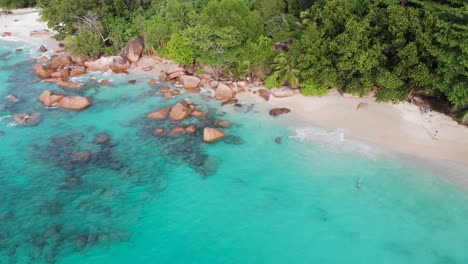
(61, 73)
(75, 102)
(189, 82)
(212, 134)
(61, 61)
(78, 71)
(43, 71)
(49, 99)
(180, 111)
(132, 51)
(161, 114)
(284, 91)
(117, 64)
(224, 92)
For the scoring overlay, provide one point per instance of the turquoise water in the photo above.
(143, 198)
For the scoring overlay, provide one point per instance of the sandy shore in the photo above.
(21, 23)
(402, 127)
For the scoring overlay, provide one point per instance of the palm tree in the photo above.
(284, 69)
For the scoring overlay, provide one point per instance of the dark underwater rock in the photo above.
(233, 140)
(278, 140)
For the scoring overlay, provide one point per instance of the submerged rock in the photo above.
(223, 123)
(212, 134)
(69, 84)
(161, 114)
(278, 140)
(80, 157)
(233, 140)
(27, 119)
(191, 129)
(102, 138)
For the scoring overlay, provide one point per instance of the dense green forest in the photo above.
(17, 3)
(403, 46)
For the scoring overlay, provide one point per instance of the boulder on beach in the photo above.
(189, 82)
(279, 111)
(224, 92)
(117, 64)
(284, 91)
(69, 84)
(161, 114)
(147, 68)
(59, 48)
(180, 111)
(212, 134)
(132, 51)
(75, 102)
(361, 105)
(49, 99)
(265, 94)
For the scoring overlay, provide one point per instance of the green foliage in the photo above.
(272, 81)
(284, 67)
(85, 43)
(180, 50)
(309, 88)
(17, 3)
(354, 45)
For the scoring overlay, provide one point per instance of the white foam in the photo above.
(335, 140)
(4, 117)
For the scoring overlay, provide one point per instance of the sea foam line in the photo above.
(335, 140)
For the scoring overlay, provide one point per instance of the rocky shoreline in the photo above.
(409, 126)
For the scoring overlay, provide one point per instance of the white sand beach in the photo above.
(21, 23)
(401, 127)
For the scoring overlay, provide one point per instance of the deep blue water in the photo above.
(143, 198)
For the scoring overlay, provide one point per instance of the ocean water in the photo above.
(317, 197)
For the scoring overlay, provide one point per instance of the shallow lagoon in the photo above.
(145, 199)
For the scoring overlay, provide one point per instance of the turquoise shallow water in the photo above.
(148, 199)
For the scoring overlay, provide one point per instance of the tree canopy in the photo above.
(354, 45)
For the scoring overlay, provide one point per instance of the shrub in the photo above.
(311, 88)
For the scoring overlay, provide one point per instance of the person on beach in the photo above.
(434, 137)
